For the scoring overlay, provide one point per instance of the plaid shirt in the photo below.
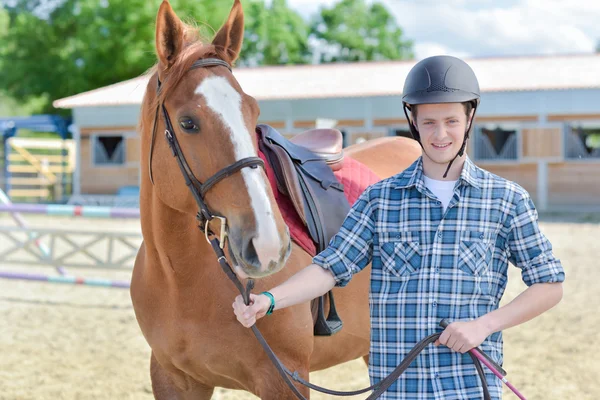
(428, 265)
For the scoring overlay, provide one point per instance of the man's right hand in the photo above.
(247, 315)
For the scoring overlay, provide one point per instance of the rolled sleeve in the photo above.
(529, 249)
(351, 249)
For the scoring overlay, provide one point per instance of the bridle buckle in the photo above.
(223, 230)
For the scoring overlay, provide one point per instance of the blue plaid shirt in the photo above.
(428, 265)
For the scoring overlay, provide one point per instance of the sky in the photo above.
(489, 28)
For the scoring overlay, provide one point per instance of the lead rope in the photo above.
(380, 387)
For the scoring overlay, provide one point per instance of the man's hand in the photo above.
(463, 336)
(247, 315)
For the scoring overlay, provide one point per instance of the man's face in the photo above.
(442, 128)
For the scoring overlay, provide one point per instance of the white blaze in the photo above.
(226, 103)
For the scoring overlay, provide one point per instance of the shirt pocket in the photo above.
(475, 252)
(400, 253)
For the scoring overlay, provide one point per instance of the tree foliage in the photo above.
(355, 31)
(56, 48)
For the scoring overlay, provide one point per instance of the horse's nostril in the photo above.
(249, 254)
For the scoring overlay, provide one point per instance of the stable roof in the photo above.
(366, 79)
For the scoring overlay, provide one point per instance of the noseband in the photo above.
(197, 188)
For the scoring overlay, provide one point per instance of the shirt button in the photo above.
(435, 303)
(440, 235)
(481, 236)
(437, 269)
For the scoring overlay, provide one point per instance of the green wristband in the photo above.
(272, 306)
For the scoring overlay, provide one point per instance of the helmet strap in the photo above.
(459, 154)
(411, 126)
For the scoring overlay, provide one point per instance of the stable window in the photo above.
(582, 140)
(108, 150)
(495, 143)
(401, 131)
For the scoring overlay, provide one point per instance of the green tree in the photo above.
(85, 44)
(56, 48)
(274, 35)
(351, 30)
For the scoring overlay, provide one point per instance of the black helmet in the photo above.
(440, 79)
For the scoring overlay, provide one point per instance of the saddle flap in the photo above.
(310, 184)
(289, 180)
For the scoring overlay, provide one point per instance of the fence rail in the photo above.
(67, 249)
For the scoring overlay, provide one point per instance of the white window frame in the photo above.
(583, 124)
(94, 138)
(508, 126)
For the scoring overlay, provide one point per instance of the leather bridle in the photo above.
(197, 188)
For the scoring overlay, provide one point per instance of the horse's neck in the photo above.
(174, 242)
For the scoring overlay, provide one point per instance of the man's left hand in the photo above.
(463, 336)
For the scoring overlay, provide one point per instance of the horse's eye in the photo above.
(188, 125)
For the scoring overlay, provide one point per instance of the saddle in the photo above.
(303, 168)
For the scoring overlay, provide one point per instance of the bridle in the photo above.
(205, 216)
(197, 188)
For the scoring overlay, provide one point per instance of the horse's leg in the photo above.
(164, 389)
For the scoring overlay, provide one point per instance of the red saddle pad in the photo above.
(355, 177)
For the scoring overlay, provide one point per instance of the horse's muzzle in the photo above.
(258, 259)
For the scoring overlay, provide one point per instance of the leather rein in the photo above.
(205, 216)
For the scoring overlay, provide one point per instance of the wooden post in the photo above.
(542, 185)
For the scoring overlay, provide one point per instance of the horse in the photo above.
(181, 297)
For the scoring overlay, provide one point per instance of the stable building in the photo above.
(538, 123)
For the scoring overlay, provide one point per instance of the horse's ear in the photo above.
(231, 35)
(169, 34)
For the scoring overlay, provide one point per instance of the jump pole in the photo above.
(63, 210)
(71, 211)
(66, 279)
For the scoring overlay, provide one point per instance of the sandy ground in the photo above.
(75, 342)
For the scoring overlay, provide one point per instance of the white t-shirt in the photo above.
(443, 190)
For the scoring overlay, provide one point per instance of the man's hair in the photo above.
(468, 105)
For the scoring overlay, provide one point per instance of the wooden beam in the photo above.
(305, 124)
(572, 117)
(506, 118)
(108, 129)
(28, 193)
(351, 123)
(389, 121)
(274, 124)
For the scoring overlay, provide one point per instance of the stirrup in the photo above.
(333, 324)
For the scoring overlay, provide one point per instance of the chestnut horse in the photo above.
(181, 297)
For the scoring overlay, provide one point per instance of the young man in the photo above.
(440, 236)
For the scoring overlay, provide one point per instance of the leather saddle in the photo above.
(303, 168)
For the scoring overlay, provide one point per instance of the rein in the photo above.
(204, 216)
(379, 388)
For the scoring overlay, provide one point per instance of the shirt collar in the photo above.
(470, 174)
(413, 175)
